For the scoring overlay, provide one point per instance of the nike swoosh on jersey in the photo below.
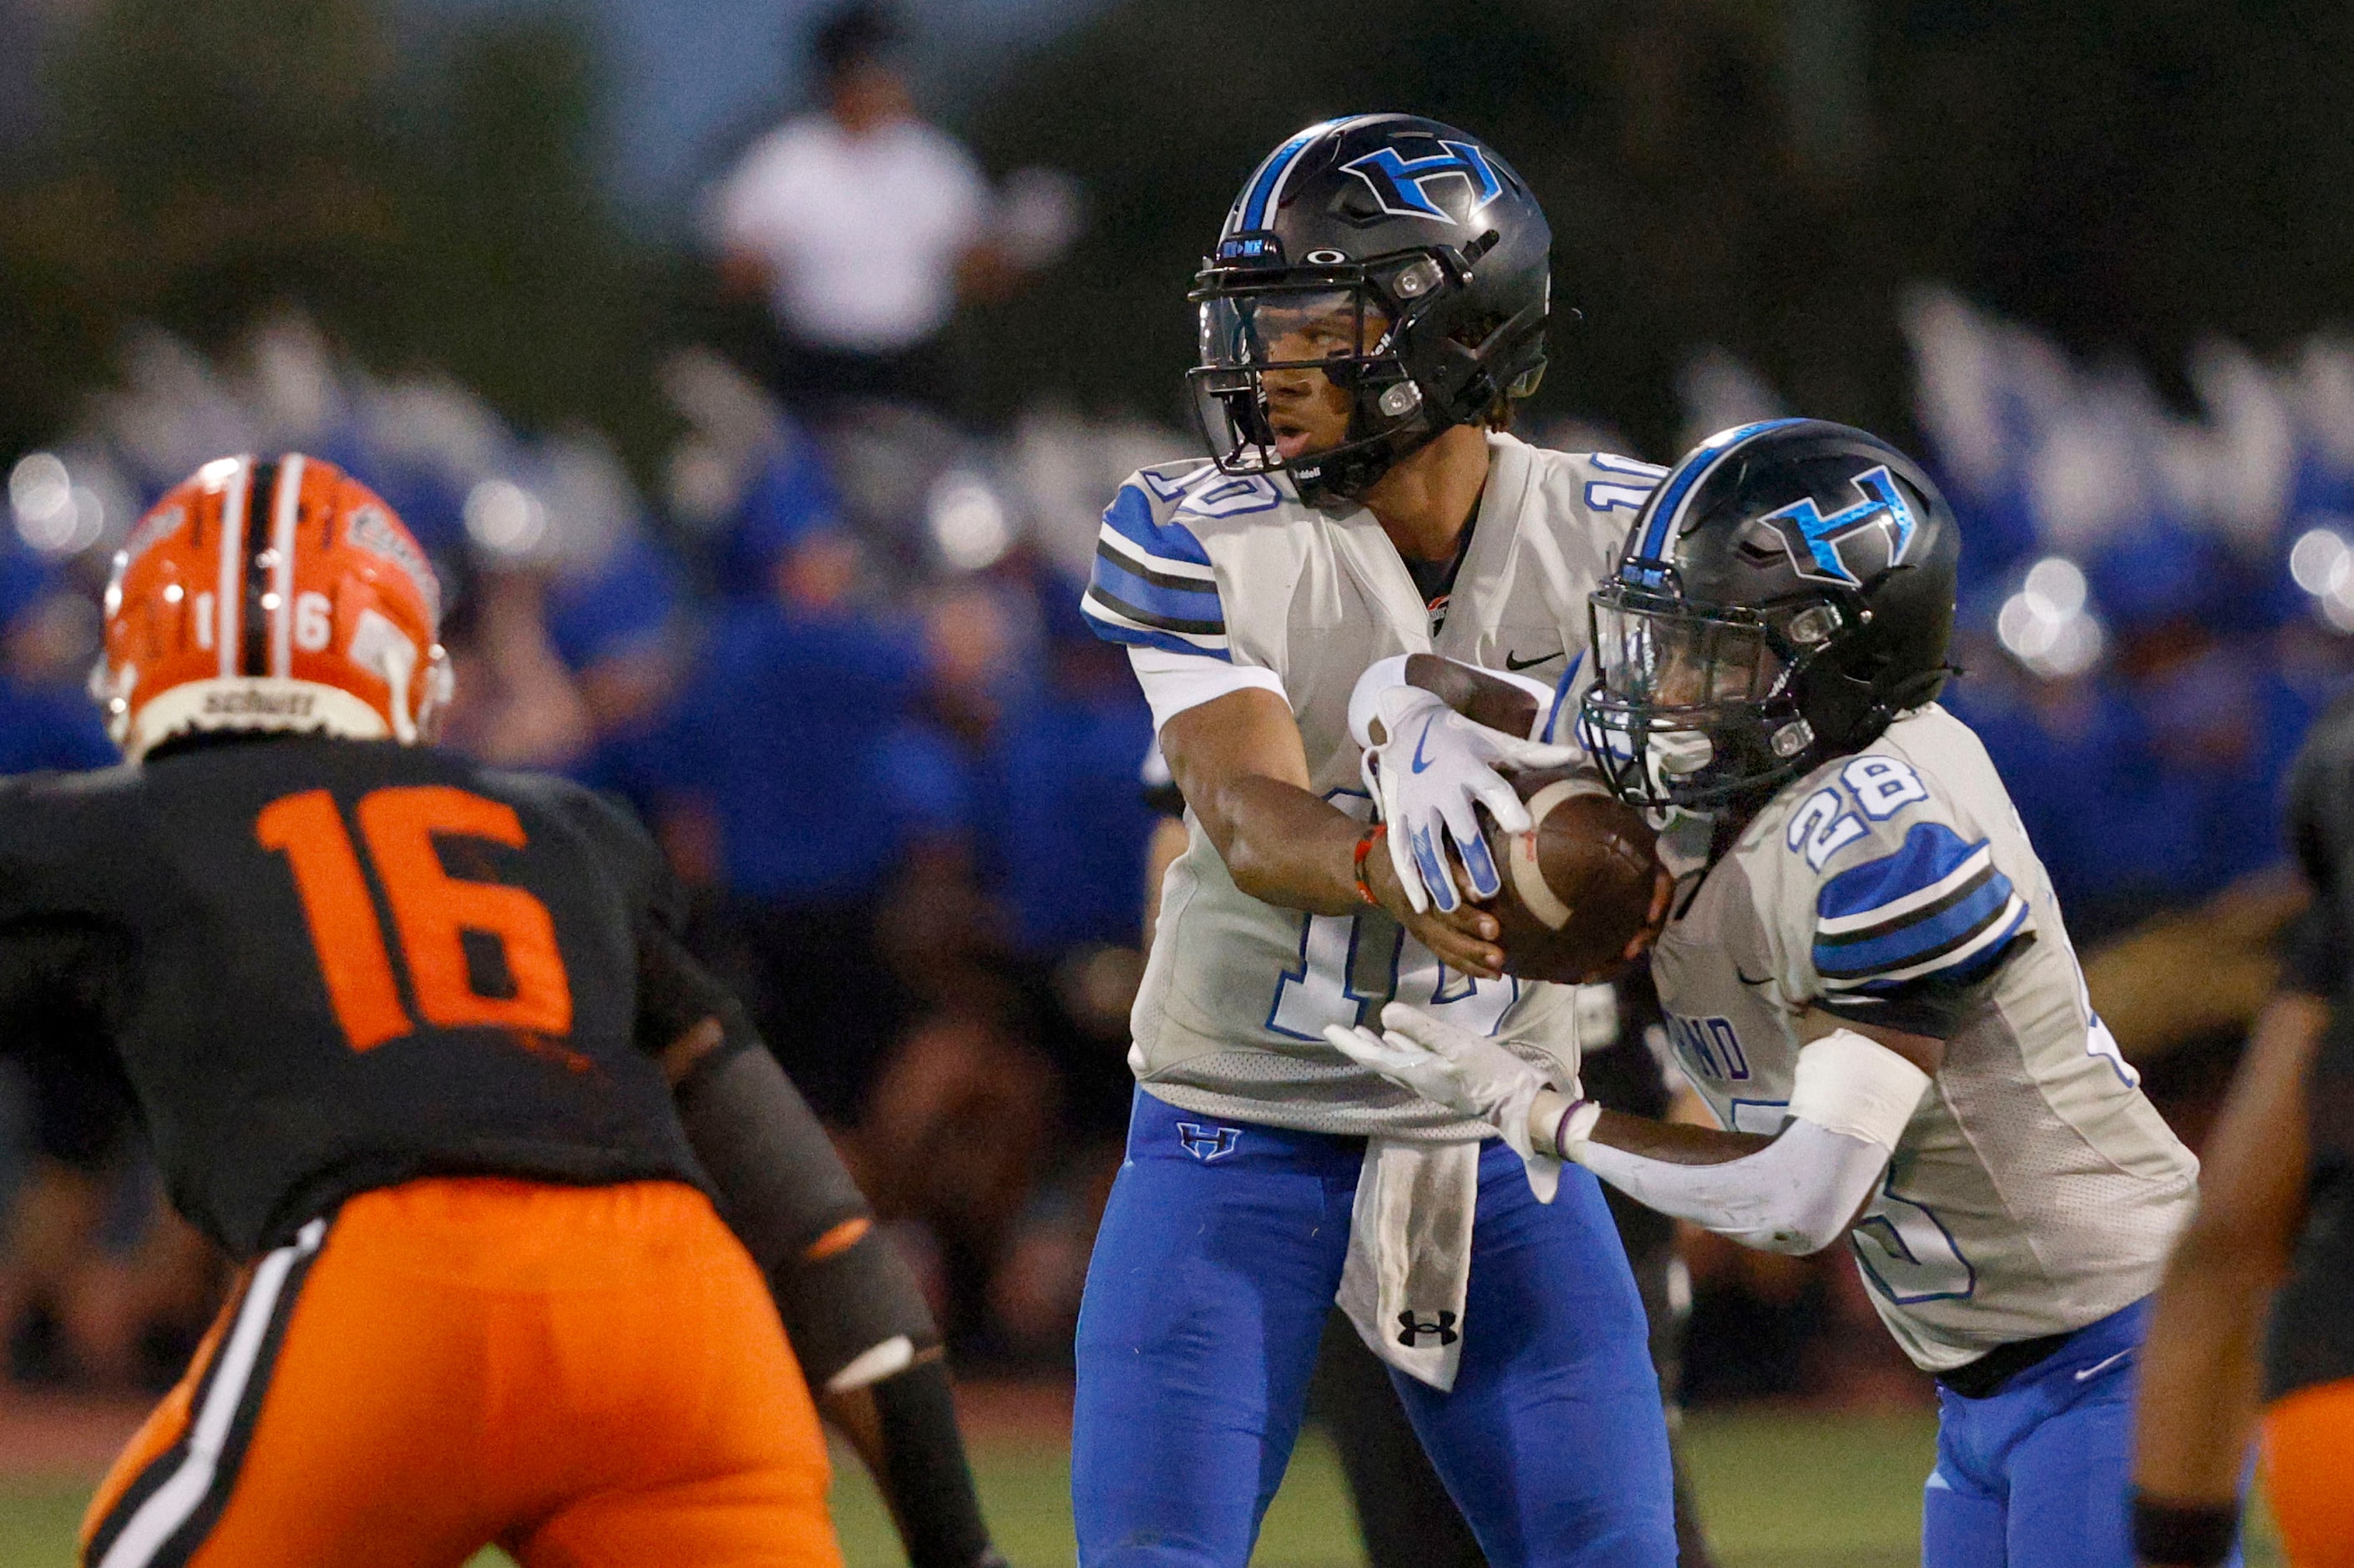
(1514, 661)
(1416, 764)
(2098, 1368)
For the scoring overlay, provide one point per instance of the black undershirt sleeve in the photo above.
(844, 1293)
(60, 980)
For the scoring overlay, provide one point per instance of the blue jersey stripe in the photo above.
(1560, 695)
(1658, 535)
(1146, 637)
(1948, 979)
(1126, 559)
(1130, 516)
(1931, 852)
(1917, 941)
(1988, 958)
(1177, 599)
(1147, 615)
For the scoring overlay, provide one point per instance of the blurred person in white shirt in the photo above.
(863, 226)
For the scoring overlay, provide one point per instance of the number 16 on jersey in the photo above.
(432, 913)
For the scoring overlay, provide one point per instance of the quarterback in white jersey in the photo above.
(1376, 303)
(1867, 977)
(1223, 584)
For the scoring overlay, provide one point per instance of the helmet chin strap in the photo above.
(1670, 754)
(1360, 471)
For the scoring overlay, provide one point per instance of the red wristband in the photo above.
(1365, 847)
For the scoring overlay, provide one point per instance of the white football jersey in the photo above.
(1230, 1020)
(2036, 1189)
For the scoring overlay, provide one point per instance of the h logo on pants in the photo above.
(1208, 1143)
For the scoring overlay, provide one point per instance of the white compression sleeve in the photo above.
(1849, 1106)
(1795, 1196)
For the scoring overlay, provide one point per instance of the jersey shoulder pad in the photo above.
(1896, 892)
(625, 850)
(61, 832)
(1603, 483)
(1154, 583)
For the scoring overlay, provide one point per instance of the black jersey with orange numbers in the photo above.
(329, 966)
(2312, 1332)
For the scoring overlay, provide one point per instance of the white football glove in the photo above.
(1470, 1074)
(1433, 765)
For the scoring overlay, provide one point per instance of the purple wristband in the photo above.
(1559, 1150)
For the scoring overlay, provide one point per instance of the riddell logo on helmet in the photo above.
(156, 527)
(249, 704)
(374, 532)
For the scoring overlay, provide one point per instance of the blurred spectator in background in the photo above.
(47, 639)
(862, 227)
(795, 777)
(101, 1282)
(1069, 829)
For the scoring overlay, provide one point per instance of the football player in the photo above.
(2254, 1325)
(1376, 303)
(415, 1042)
(1867, 978)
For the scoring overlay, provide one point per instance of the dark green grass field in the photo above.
(1780, 1489)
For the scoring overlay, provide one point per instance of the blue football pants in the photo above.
(2034, 1475)
(1216, 1264)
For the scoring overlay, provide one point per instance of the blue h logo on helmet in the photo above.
(1398, 181)
(1815, 542)
(1208, 1143)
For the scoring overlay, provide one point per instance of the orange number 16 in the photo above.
(431, 910)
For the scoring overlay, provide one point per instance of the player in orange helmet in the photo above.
(415, 1041)
(272, 596)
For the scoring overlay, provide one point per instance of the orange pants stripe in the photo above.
(2308, 1446)
(585, 1376)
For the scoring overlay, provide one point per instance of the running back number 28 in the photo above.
(430, 911)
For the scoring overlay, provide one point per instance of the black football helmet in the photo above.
(1394, 258)
(1785, 592)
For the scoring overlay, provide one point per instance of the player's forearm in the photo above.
(905, 1433)
(1796, 1193)
(2200, 1377)
(850, 1307)
(1508, 703)
(1674, 1142)
(2202, 1369)
(1282, 845)
(2202, 1372)
(1242, 767)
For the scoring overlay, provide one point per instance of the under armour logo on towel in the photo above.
(1208, 1143)
(1411, 1329)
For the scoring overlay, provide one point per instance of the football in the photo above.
(1578, 887)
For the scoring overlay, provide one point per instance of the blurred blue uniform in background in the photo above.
(798, 757)
(46, 719)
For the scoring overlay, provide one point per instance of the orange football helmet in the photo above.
(271, 593)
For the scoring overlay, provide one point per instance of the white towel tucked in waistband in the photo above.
(1409, 1263)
